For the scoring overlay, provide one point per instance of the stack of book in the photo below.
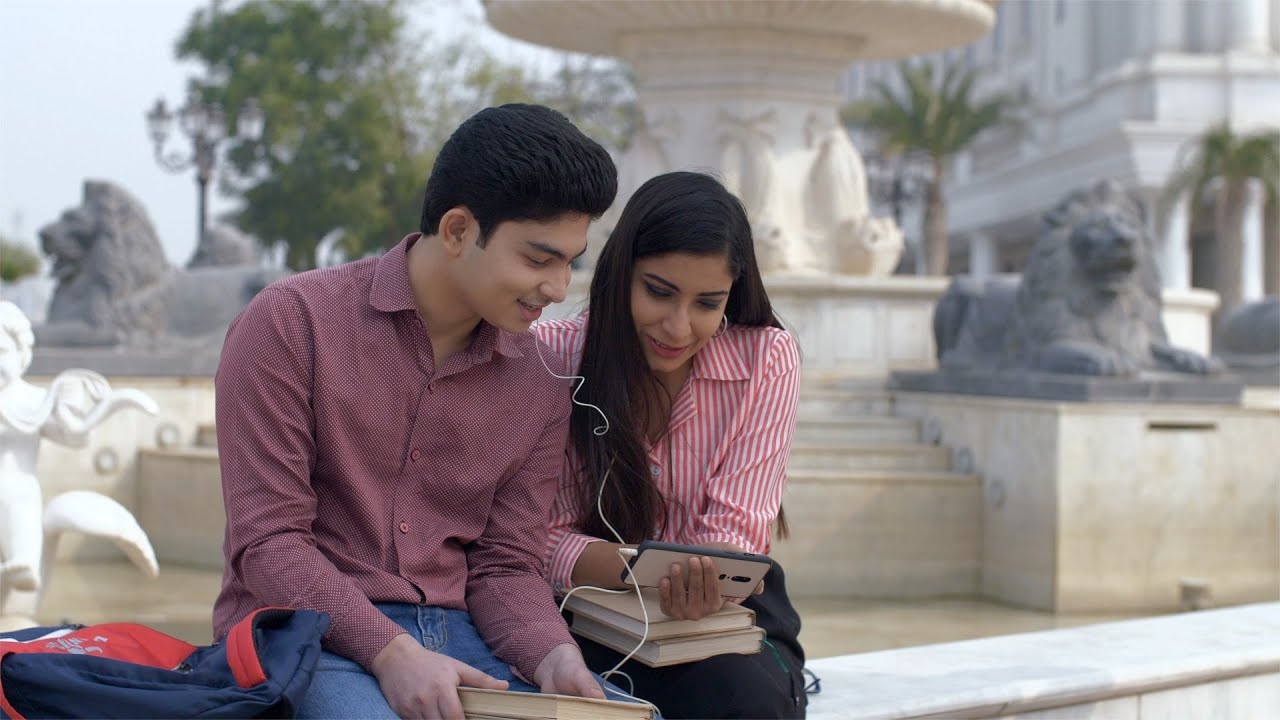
(616, 622)
(480, 704)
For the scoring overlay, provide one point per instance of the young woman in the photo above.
(683, 355)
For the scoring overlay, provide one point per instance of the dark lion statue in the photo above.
(1088, 301)
(114, 286)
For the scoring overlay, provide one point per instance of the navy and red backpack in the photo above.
(124, 670)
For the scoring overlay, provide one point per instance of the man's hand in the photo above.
(563, 671)
(695, 598)
(421, 684)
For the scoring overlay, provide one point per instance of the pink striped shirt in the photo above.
(723, 472)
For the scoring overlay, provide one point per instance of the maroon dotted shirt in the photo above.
(354, 471)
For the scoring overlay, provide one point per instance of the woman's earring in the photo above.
(724, 326)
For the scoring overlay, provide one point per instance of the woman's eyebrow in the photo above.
(672, 286)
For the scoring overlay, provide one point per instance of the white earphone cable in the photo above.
(599, 431)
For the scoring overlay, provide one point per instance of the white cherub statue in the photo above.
(76, 401)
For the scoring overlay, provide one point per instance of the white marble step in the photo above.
(841, 402)
(856, 430)
(875, 476)
(876, 456)
(881, 533)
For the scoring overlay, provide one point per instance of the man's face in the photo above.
(524, 266)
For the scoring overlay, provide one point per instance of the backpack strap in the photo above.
(242, 653)
(8, 709)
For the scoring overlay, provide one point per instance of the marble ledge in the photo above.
(1252, 405)
(1012, 674)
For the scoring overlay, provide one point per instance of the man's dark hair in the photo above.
(518, 162)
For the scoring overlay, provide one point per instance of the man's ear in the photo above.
(458, 229)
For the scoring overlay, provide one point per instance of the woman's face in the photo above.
(677, 302)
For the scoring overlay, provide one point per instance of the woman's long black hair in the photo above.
(679, 212)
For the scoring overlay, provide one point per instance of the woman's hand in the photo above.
(735, 548)
(691, 594)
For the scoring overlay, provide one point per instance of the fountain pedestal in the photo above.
(747, 90)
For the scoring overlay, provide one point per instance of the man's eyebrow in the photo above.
(545, 248)
(676, 288)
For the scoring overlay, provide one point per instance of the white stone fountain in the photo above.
(748, 90)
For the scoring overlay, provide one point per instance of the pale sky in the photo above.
(76, 79)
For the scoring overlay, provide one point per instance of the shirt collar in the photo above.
(390, 292)
(721, 359)
(490, 338)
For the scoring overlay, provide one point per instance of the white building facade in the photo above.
(1113, 89)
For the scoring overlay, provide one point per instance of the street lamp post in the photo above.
(205, 125)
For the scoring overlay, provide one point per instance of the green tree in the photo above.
(17, 260)
(597, 94)
(345, 145)
(356, 109)
(937, 117)
(1229, 161)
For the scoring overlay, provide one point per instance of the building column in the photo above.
(1174, 252)
(1271, 247)
(1275, 24)
(983, 256)
(1168, 20)
(1253, 265)
(1250, 26)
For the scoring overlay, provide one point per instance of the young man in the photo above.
(390, 441)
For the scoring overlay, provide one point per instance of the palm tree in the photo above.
(935, 119)
(1231, 161)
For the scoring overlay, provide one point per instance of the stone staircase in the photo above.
(874, 510)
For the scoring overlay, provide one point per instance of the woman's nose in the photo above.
(677, 324)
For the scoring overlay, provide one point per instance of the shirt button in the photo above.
(415, 454)
(655, 470)
(431, 387)
(404, 527)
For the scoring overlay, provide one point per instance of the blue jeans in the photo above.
(341, 688)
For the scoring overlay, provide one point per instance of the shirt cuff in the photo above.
(542, 639)
(361, 635)
(565, 558)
